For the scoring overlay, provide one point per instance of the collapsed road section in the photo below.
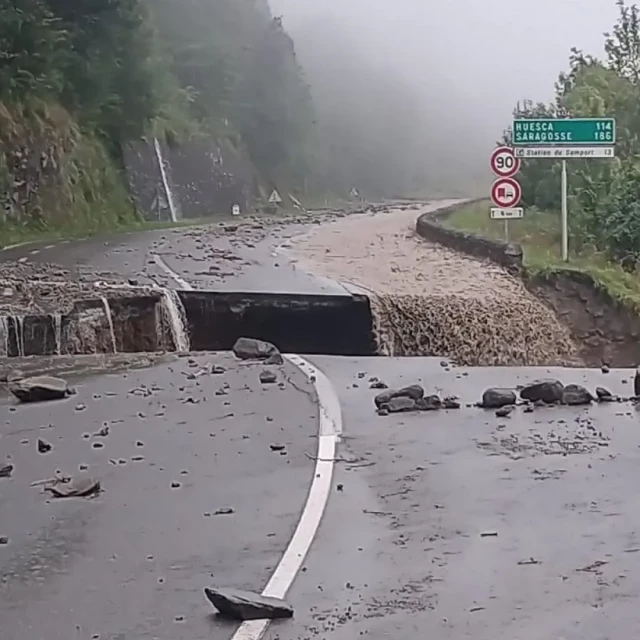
(384, 289)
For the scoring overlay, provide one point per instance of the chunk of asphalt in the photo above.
(246, 605)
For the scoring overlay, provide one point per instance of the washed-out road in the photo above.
(453, 524)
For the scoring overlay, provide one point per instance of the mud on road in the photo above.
(429, 300)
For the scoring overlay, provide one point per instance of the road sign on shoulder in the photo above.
(504, 163)
(505, 193)
(511, 213)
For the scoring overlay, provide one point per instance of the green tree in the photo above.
(33, 49)
(600, 190)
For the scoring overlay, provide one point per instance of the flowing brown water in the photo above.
(430, 301)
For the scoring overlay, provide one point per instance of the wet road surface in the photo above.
(452, 524)
(182, 448)
(208, 258)
(459, 524)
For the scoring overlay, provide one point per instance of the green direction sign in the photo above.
(563, 132)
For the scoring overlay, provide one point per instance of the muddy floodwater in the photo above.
(429, 300)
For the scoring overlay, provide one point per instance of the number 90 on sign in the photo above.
(510, 213)
(504, 164)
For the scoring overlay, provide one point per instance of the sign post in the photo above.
(505, 192)
(563, 138)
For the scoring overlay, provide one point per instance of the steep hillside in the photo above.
(79, 81)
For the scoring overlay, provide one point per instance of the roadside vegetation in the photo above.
(540, 237)
(604, 195)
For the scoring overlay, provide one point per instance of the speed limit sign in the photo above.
(504, 162)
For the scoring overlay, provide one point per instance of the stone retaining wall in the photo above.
(430, 227)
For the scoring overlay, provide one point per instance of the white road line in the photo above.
(329, 431)
(167, 269)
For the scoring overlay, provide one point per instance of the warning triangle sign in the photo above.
(275, 198)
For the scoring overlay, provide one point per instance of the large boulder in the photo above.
(495, 398)
(548, 391)
(575, 395)
(253, 349)
(245, 605)
(415, 392)
(401, 404)
(39, 389)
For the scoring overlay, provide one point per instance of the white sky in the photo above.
(474, 58)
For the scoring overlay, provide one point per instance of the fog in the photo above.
(463, 64)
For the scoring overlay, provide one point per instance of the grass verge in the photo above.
(540, 236)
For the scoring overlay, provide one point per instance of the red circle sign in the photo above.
(504, 162)
(506, 193)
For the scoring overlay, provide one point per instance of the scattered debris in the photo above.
(268, 377)
(591, 568)
(69, 488)
(39, 389)
(529, 561)
(245, 605)
(6, 471)
(410, 398)
(401, 404)
(414, 392)
(224, 511)
(495, 398)
(576, 395)
(375, 383)
(451, 402)
(548, 391)
(252, 349)
(604, 395)
(505, 411)
(43, 447)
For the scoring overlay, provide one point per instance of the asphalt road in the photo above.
(182, 448)
(455, 524)
(460, 524)
(207, 257)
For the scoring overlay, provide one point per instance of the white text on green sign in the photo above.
(572, 131)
